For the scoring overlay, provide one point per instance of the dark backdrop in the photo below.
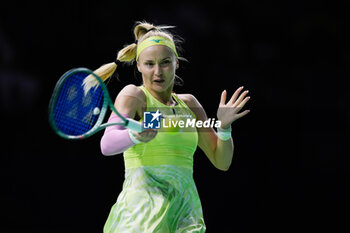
(290, 170)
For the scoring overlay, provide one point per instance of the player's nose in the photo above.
(157, 70)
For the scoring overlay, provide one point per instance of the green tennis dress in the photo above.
(159, 193)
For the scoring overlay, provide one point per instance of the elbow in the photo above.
(106, 149)
(115, 142)
(105, 153)
(108, 152)
(223, 168)
(223, 164)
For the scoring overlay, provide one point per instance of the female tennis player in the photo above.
(159, 193)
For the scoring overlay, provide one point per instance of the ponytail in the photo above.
(142, 31)
(127, 54)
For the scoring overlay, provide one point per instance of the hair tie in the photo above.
(117, 62)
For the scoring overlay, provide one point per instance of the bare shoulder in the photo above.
(130, 100)
(132, 93)
(132, 90)
(189, 99)
(192, 102)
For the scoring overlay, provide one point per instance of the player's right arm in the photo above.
(130, 102)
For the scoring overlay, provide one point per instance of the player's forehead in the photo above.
(156, 53)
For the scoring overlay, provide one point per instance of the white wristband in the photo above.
(132, 137)
(224, 134)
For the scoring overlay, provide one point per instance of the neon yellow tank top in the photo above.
(172, 145)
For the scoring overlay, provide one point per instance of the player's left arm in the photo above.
(218, 151)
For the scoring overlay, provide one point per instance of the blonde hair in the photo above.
(142, 31)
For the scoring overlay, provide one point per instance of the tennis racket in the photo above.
(77, 110)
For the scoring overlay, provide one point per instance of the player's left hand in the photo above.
(229, 112)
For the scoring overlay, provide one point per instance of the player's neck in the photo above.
(164, 97)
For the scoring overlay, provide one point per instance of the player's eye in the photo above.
(149, 63)
(165, 62)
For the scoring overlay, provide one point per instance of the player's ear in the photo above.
(177, 63)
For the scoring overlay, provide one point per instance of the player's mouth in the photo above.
(159, 80)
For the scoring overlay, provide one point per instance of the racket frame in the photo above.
(126, 122)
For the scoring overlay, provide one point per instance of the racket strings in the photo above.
(76, 112)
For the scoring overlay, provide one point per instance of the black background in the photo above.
(290, 171)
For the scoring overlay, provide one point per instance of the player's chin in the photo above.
(160, 85)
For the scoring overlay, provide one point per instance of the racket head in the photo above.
(75, 113)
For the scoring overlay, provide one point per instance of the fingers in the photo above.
(246, 99)
(240, 99)
(223, 97)
(235, 95)
(241, 102)
(242, 114)
(146, 135)
(149, 133)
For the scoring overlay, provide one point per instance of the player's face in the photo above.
(157, 64)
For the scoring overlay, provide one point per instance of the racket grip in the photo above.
(134, 125)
